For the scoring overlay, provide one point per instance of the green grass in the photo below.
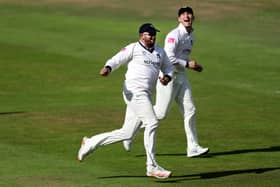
(51, 94)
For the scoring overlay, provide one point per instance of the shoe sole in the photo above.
(79, 159)
(199, 155)
(127, 148)
(159, 177)
(82, 157)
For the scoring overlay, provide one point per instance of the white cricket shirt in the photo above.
(143, 66)
(178, 45)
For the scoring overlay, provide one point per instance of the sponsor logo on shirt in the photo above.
(170, 40)
(150, 62)
(158, 56)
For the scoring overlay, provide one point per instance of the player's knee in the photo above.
(190, 111)
(128, 135)
(151, 124)
(161, 115)
(154, 123)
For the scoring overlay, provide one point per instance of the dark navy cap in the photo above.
(149, 28)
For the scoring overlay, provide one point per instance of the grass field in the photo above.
(51, 94)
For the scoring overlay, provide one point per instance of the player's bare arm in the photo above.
(195, 66)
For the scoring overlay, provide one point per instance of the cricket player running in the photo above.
(178, 46)
(145, 60)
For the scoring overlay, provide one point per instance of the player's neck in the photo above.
(149, 48)
(189, 29)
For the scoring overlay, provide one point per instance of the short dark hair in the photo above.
(185, 9)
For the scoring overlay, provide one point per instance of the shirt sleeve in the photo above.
(170, 45)
(167, 68)
(122, 57)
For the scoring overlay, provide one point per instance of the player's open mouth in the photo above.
(187, 20)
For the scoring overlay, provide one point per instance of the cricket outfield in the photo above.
(51, 93)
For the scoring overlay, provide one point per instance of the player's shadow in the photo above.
(242, 151)
(201, 176)
(10, 113)
(210, 175)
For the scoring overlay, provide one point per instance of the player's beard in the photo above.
(150, 43)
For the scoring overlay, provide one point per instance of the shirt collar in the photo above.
(143, 45)
(183, 29)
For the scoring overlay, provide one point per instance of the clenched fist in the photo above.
(105, 71)
(195, 66)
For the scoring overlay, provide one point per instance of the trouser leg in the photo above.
(132, 120)
(125, 133)
(186, 105)
(149, 143)
(142, 107)
(164, 97)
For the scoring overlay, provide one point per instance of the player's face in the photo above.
(149, 39)
(186, 19)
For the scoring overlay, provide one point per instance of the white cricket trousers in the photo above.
(139, 108)
(180, 90)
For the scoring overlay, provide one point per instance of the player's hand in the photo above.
(195, 66)
(164, 80)
(105, 71)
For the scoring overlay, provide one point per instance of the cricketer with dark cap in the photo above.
(144, 61)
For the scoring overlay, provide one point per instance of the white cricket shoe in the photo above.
(84, 149)
(158, 172)
(127, 145)
(197, 151)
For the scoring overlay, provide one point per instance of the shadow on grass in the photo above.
(199, 176)
(270, 149)
(11, 113)
(218, 174)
